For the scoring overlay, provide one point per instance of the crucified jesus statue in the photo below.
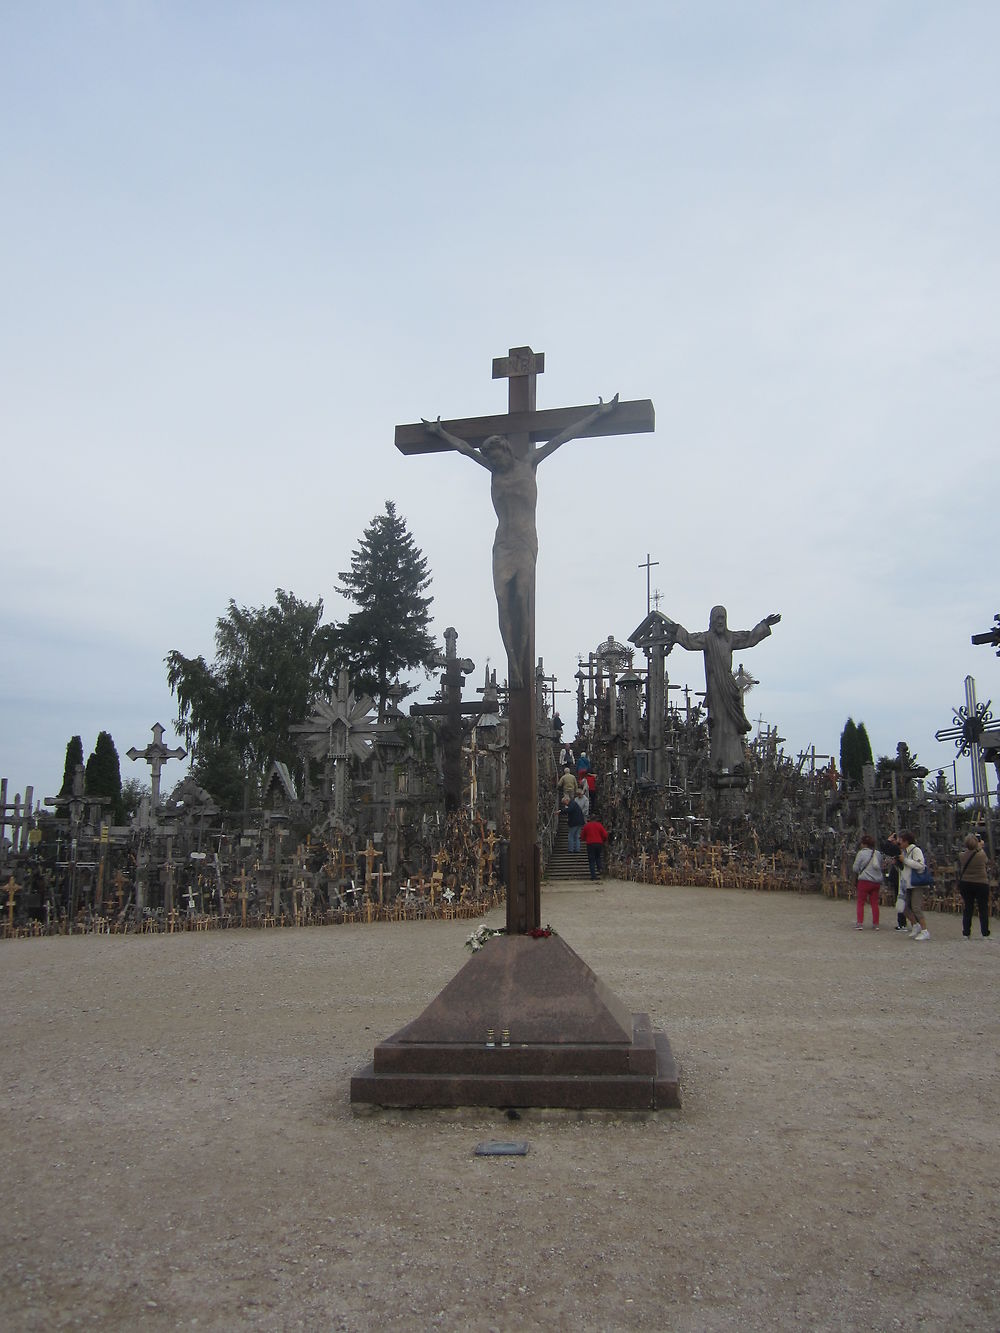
(514, 491)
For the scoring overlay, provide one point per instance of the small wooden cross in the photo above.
(12, 889)
(243, 896)
(370, 855)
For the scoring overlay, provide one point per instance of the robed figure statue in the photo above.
(727, 721)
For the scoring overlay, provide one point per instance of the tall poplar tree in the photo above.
(848, 754)
(864, 750)
(104, 775)
(74, 756)
(855, 752)
(386, 582)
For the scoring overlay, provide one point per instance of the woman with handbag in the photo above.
(913, 867)
(867, 871)
(890, 860)
(973, 885)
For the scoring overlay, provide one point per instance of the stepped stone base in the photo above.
(572, 1042)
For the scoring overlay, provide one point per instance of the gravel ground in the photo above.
(179, 1149)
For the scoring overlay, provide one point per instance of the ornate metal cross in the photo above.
(971, 722)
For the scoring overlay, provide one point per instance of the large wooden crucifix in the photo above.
(510, 447)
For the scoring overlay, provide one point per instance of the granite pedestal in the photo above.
(561, 1039)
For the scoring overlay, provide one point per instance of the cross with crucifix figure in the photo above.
(510, 447)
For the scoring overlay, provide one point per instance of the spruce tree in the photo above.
(388, 633)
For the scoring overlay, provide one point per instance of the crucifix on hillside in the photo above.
(510, 447)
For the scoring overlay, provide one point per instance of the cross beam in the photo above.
(631, 418)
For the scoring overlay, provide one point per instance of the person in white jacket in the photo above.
(911, 858)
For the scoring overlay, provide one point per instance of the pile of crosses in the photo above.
(791, 823)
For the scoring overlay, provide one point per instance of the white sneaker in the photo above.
(924, 935)
(915, 931)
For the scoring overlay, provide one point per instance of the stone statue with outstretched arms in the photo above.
(727, 720)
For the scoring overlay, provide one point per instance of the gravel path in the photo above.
(179, 1150)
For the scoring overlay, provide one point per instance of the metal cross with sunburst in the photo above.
(971, 721)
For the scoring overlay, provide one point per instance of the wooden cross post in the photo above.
(243, 897)
(369, 856)
(12, 889)
(510, 447)
(551, 691)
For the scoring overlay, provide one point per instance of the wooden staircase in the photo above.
(564, 864)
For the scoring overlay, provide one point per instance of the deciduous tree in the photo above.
(269, 667)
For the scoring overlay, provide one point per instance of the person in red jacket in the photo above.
(586, 778)
(594, 834)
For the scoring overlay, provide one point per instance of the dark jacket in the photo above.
(972, 866)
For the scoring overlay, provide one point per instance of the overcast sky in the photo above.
(241, 242)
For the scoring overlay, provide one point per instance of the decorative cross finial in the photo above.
(156, 755)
